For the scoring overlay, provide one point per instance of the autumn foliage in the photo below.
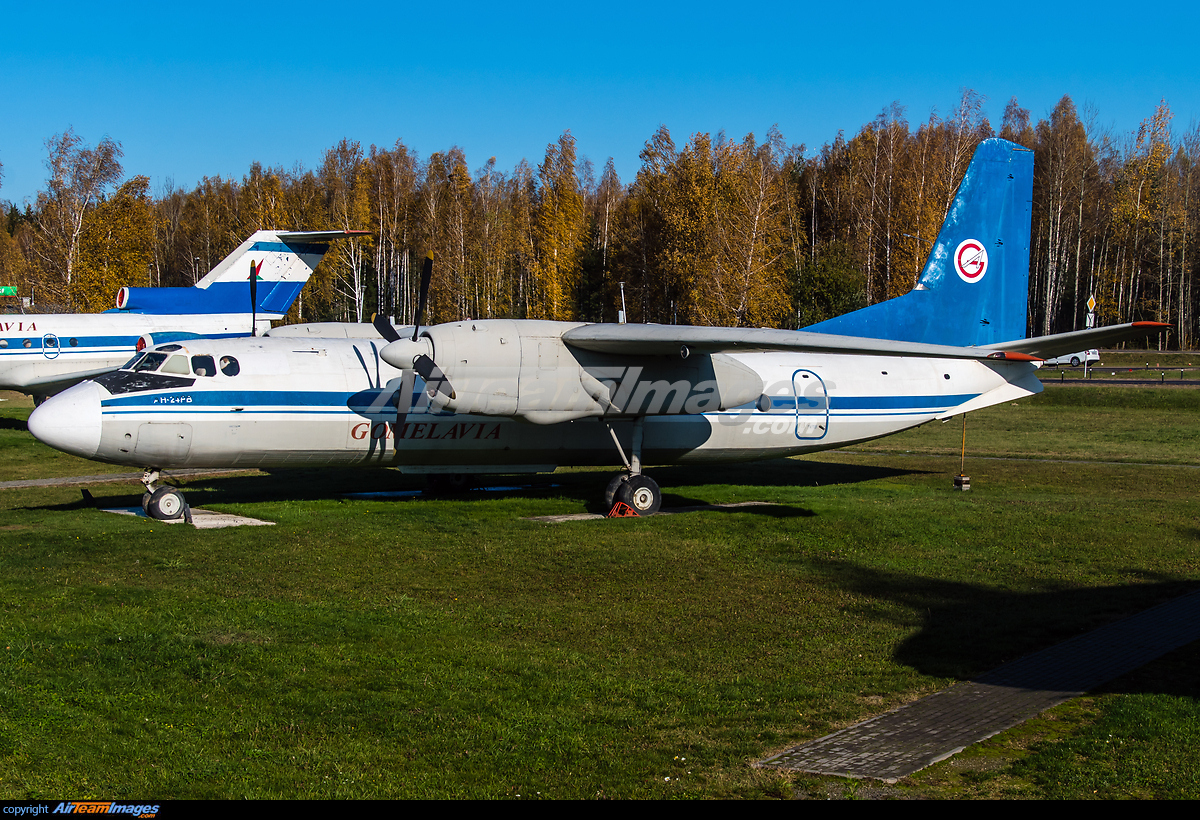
(712, 230)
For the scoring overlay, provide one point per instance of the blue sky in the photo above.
(207, 91)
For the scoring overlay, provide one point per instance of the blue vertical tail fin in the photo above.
(974, 289)
(281, 261)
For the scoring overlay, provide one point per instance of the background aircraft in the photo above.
(46, 353)
(528, 396)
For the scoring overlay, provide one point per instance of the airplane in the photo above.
(520, 396)
(44, 354)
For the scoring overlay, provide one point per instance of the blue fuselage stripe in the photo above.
(281, 401)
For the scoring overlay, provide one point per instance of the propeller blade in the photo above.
(408, 381)
(423, 296)
(253, 299)
(433, 376)
(385, 328)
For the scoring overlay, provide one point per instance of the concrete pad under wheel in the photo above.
(201, 519)
(559, 519)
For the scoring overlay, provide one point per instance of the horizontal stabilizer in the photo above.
(1047, 347)
(317, 236)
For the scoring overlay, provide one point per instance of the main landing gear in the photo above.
(634, 489)
(162, 503)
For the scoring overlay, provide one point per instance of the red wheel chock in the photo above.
(622, 510)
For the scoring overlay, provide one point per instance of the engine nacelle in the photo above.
(525, 370)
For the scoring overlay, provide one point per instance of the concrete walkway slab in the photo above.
(906, 740)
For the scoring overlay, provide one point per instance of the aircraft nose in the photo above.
(70, 421)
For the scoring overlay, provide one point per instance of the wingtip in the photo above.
(1013, 356)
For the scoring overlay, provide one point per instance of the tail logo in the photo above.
(256, 270)
(971, 260)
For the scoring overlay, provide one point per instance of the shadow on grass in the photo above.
(587, 487)
(13, 424)
(1172, 674)
(970, 629)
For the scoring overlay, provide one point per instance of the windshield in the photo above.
(149, 362)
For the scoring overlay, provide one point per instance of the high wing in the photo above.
(1047, 347)
(662, 340)
(672, 340)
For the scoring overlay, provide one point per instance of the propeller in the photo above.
(253, 299)
(413, 354)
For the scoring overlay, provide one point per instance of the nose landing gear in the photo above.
(163, 503)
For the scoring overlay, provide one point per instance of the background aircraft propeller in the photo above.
(253, 299)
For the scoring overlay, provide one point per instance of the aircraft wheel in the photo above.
(460, 482)
(146, 503)
(450, 483)
(642, 493)
(166, 504)
(610, 492)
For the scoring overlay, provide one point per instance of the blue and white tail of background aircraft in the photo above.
(46, 353)
(507, 396)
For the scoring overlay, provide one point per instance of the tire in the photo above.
(146, 503)
(450, 483)
(610, 492)
(642, 493)
(1075, 361)
(166, 504)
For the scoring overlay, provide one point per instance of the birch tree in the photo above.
(79, 178)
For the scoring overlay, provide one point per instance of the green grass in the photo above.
(1069, 422)
(450, 648)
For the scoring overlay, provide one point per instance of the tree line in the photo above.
(715, 231)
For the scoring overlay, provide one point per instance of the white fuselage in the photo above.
(299, 401)
(40, 353)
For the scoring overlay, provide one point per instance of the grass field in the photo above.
(451, 648)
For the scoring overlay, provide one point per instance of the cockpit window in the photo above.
(230, 366)
(131, 362)
(177, 365)
(149, 362)
(204, 366)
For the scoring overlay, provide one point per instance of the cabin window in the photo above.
(150, 362)
(3, 342)
(230, 366)
(204, 366)
(51, 341)
(26, 343)
(74, 342)
(177, 365)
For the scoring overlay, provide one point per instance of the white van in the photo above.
(1090, 357)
